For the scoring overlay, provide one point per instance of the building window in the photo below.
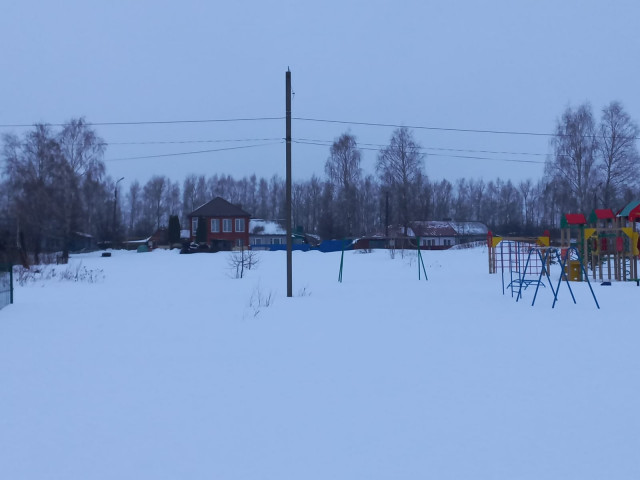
(275, 241)
(226, 225)
(215, 225)
(239, 224)
(194, 226)
(239, 242)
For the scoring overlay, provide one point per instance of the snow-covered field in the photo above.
(170, 368)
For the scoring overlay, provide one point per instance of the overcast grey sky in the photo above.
(499, 65)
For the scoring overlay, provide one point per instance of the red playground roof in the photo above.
(575, 219)
(605, 214)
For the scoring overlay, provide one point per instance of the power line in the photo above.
(192, 153)
(489, 158)
(153, 122)
(442, 129)
(323, 142)
(422, 127)
(304, 119)
(182, 142)
(310, 141)
(472, 157)
(330, 142)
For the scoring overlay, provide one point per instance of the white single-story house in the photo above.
(263, 233)
(438, 235)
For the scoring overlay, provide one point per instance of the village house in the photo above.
(226, 224)
(265, 233)
(270, 235)
(434, 235)
(437, 235)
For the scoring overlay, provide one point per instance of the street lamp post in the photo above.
(115, 204)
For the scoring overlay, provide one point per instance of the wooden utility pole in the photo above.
(288, 186)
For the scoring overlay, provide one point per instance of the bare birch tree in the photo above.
(400, 167)
(574, 161)
(617, 142)
(344, 173)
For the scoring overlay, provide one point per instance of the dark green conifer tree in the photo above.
(174, 229)
(201, 231)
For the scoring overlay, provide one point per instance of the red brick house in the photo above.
(227, 225)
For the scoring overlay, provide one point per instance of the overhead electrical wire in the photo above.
(316, 141)
(432, 151)
(441, 129)
(422, 127)
(379, 146)
(162, 155)
(152, 122)
(321, 143)
(426, 150)
(305, 119)
(182, 142)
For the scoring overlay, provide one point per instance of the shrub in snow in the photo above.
(304, 292)
(244, 259)
(73, 273)
(260, 300)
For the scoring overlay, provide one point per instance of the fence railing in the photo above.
(6, 284)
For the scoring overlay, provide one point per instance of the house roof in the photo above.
(469, 228)
(433, 229)
(258, 226)
(219, 207)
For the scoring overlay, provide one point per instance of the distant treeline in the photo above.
(54, 186)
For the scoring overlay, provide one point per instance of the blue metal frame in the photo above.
(421, 262)
(543, 271)
(584, 272)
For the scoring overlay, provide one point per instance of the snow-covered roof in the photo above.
(137, 242)
(469, 228)
(258, 226)
(434, 228)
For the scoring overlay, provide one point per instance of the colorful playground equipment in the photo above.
(511, 251)
(607, 242)
(512, 255)
(570, 255)
(528, 261)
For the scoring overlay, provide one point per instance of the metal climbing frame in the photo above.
(523, 268)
